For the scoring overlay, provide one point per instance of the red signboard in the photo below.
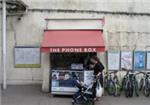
(71, 50)
(72, 41)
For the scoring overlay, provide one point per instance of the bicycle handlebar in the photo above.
(144, 73)
(128, 70)
(124, 69)
(112, 72)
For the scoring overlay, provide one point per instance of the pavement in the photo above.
(32, 95)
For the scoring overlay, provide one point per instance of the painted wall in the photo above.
(121, 31)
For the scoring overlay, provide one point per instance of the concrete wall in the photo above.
(0, 49)
(139, 6)
(122, 31)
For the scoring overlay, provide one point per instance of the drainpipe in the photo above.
(4, 43)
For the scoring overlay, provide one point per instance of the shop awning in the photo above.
(72, 41)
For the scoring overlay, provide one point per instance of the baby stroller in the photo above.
(84, 96)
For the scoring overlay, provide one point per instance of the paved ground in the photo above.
(32, 95)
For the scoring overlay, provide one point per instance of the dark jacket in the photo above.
(99, 67)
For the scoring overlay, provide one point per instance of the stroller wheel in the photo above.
(73, 103)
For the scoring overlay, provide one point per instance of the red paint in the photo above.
(72, 41)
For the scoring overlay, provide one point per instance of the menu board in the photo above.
(148, 61)
(139, 60)
(127, 60)
(113, 60)
(27, 57)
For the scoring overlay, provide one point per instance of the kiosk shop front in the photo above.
(70, 43)
(69, 52)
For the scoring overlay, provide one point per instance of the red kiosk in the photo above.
(69, 50)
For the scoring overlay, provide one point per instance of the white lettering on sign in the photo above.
(63, 49)
(73, 50)
(54, 50)
(78, 50)
(89, 49)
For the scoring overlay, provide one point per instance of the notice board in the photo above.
(127, 60)
(113, 60)
(139, 60)
(27, 57)
(148, 61)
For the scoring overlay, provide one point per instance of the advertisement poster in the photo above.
(139, 60)
(148, 61)
(65, 81)
(113, 60)
(66, 78)
(127, 60)
(88, 77)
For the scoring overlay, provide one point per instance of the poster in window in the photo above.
(66, 78)
(148, 61)
(88, 77)
(139, 60)
(127, 60)
(113, 60)
(27, 57)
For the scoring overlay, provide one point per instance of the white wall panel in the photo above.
(75, 24)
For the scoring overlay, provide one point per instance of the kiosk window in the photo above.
(65, 60)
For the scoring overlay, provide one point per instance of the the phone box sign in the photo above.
(65, 50)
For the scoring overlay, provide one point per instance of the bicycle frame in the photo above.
(145, 84)
(130, 84)
(113, 84)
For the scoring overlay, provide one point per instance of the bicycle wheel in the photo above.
(146, 89)
(123, 84)
(125, 87)
(136, 88)
(111, 88)
(129, 90)
(117, 89)
(145, 92)
(105, 83)
(141, 84)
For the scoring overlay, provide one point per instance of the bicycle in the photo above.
(130, 84)
(145, 84)
(113, 84)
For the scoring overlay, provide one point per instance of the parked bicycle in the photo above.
(130, 84)
(113, 85)
(105, 79)
(145, 84)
